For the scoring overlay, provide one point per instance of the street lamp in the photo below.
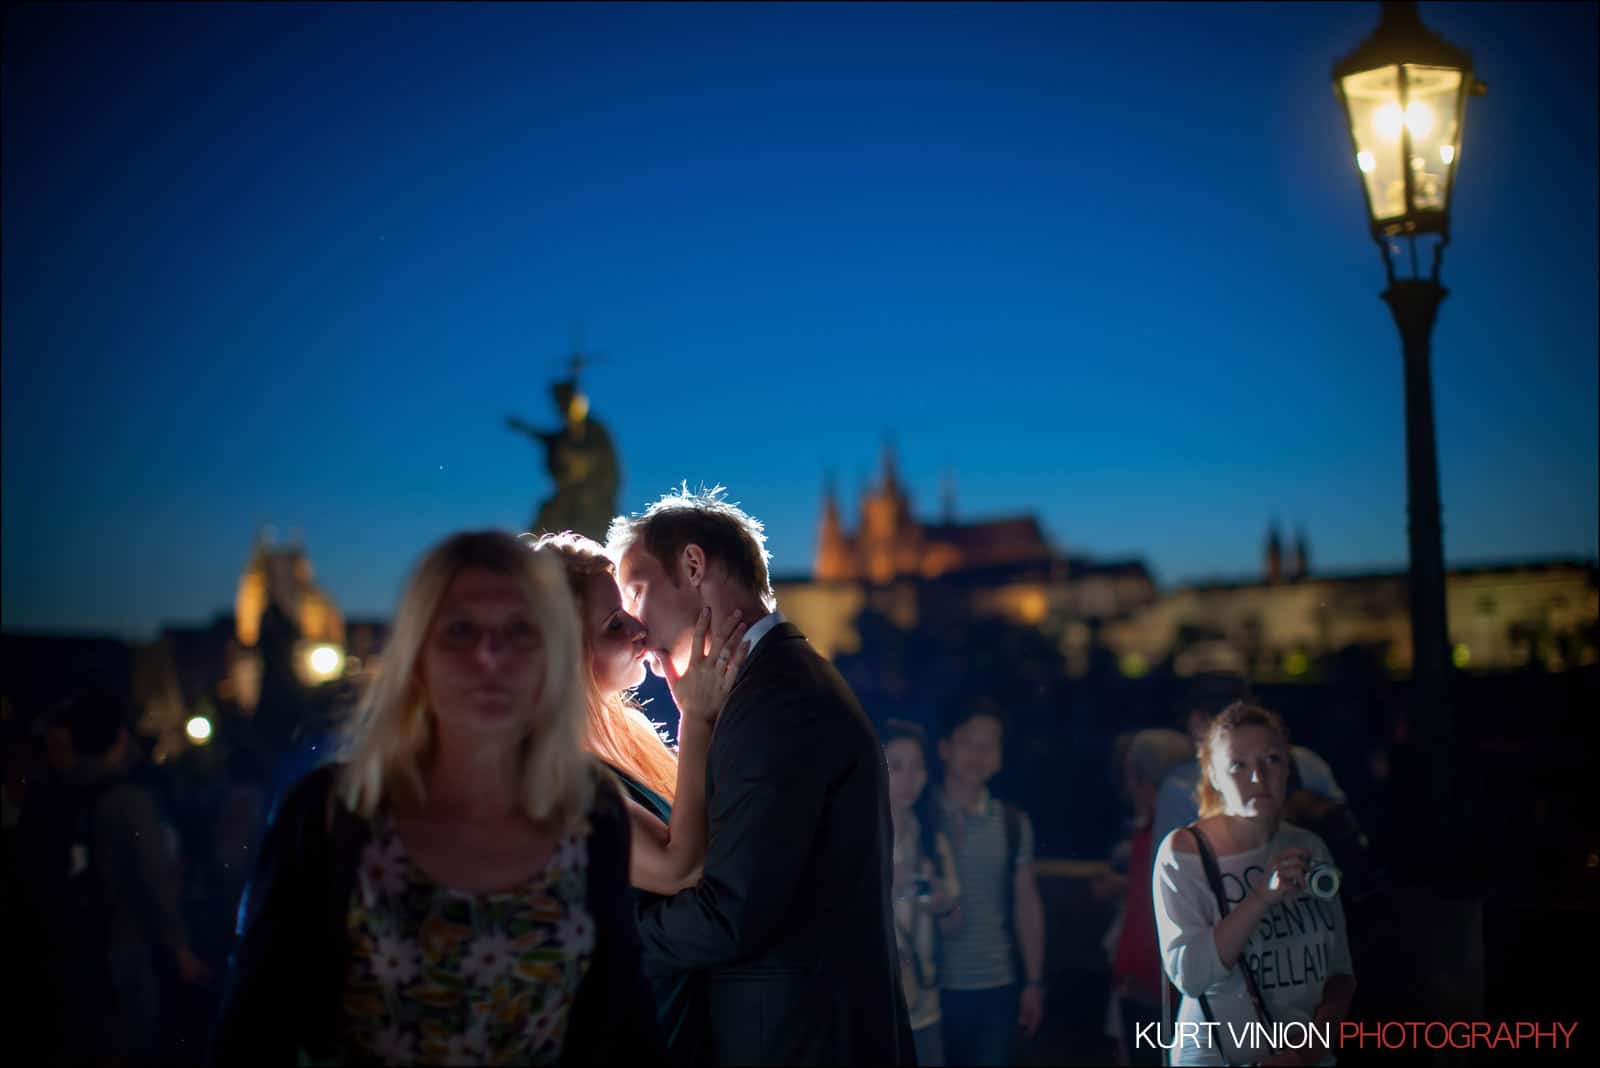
(1404, 93)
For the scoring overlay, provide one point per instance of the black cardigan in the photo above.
(285, 984)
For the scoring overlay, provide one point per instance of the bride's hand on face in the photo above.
(714, 662)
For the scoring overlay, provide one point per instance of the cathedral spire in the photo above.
(1300, 561)
(832, 561)
(890, 475)
(1274, 554)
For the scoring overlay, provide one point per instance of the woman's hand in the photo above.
(713, 665)
(1286, 875)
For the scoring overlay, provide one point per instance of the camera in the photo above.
(1323, 881)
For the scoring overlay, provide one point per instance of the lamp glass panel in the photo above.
(1433, 105)
(1373, 100)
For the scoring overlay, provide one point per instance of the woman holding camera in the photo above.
(1247, 909)
(925, 888)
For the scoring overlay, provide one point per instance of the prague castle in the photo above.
(1276, 625)
(891, 543)
(916, 573)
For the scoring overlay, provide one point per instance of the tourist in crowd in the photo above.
(926, 888)
(1241, 936)
(992, 977)
(454, 891)
(101, 891)
(666, 790)
(1136, 974)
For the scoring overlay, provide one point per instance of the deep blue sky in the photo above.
(1107, 262)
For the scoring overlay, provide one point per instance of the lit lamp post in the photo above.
(1404, 92)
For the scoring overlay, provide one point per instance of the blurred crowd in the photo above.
(496, 854)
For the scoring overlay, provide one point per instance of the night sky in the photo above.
(1107, 263)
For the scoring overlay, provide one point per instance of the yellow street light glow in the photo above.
(1461, 656)
(1447, 153)
(1386, 120)
(198, 729)
(1418, 117)
(1366, 162)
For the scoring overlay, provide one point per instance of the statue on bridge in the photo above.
(581, 460)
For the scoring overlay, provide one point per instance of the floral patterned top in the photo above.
(441, 976)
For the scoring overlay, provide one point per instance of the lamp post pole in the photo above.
(1404, 92)
(1431, 735)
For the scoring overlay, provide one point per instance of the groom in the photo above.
(791, 921)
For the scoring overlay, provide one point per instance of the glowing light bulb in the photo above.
(1447, 153)
(1386, 120)
(198, 729)
(1419, 119)
(1367, 162)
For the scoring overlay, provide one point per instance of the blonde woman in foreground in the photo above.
(454, 891)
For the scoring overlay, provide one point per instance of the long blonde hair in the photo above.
(390, 737)
(1239, 714)
(620, 733)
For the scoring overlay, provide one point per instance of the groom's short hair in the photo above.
(726, 533)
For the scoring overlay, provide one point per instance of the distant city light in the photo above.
(1367, 162)
(1296, 663)
(1447, 153)
(1134, 665)
(198, 729)
(325, 661)
(1461, 656)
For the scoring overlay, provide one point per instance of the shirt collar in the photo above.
(979, 809)
(760, 629)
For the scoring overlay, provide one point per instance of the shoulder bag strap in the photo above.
(1214, 877)
(1208, 860)
(1166, 1013)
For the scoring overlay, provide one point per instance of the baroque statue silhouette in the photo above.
(581, 460)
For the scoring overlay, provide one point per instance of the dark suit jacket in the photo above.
(283, 995)
(791, 921)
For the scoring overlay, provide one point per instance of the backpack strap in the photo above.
(1012, 818)
(1013, 833)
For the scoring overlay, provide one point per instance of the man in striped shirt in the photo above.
(992, 968)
